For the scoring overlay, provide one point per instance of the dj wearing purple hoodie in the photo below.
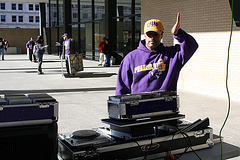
(153, 66)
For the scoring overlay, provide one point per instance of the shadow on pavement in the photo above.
(90, 75)
(56, 90)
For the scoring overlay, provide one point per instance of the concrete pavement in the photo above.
(83, 99)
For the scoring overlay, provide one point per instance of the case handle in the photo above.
(44, 106)
(168, 99)
(134, 103)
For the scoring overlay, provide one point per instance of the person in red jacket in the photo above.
(101, 56)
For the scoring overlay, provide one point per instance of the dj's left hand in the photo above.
(177, 25)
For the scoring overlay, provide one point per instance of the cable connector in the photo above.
(170, 156)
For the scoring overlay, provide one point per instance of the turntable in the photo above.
(83, 143)
(86, 138)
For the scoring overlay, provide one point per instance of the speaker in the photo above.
(36, 142)
(236, 11)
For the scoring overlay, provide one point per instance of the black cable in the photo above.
(145, 155)
(178, 156)
(170, 146)
(139, 146)
(190, 145)
(186, 138)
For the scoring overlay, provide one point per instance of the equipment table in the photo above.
(213, 153)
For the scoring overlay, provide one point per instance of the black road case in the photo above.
(149, 148)
(20, 110)
(33, 142)
(141, 105)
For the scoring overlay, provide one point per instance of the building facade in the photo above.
(19, 15)
(88, 21)
(209, 22)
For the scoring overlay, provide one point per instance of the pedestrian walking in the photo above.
(39, 50)
(29, 46)
(2, 47)
(102, 56)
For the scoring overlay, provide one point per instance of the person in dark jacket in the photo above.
(2, 46)
(107, 53)
(152, 66)
(6, 44)
(39, 50)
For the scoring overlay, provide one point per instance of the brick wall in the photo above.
(18, 37)
(209, 22)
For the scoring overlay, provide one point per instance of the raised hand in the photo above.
(177, 25)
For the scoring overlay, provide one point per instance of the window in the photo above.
(86, 6)
(37, 19)
(3, 6)
(75, 15)
(30, 18)
(128, 11)
(20, 6)
(55, 14)
(37, 7)
(54, 23)
(20, 18)
(14, 18)
(14, 6)
(30, 7)
(3, 18)
(85, 15)
(74, 6)
(99, 10)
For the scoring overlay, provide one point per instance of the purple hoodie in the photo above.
(30, 44)
(143, 70)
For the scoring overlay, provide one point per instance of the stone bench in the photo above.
(13, 50)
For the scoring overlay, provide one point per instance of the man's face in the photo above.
(153, 39)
